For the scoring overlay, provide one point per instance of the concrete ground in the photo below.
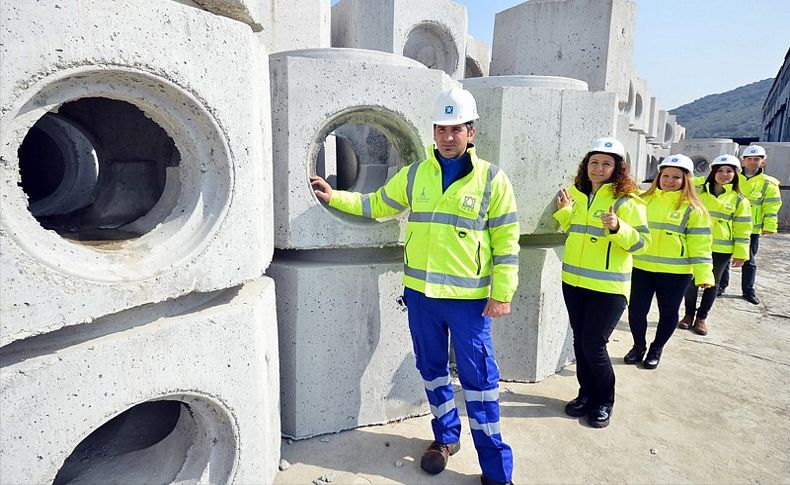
(717, 410)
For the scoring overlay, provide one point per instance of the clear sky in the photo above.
(687, 49)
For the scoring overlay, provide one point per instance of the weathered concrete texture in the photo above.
(210, 229)
(669, 129)
(535, 341)
(216, 354)
(433, 33)
(315, 92)
(591, 40)
(653, 125)
(715, 411)
(346, 354)
(478, 59)
(537, 129)
(655, 153)
(703, 151)
(639, 120)
(254, 13)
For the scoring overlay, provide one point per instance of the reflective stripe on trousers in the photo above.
(430, 322)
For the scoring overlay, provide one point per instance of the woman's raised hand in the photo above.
(563, 198)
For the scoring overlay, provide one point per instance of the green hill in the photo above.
(734, 114)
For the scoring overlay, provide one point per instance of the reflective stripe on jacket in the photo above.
(731, 220)
(681, 238)
(462, 243)
(765, 198)
(594, 257)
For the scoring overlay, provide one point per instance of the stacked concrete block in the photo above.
(311, 98)
(640, 115)
(537, 129)
(433, 33)
(590, 40)
(207, 230)
(192, 384)
(535, 341)
(669, 129)
(634, 143)
(703, 151)
(477, 58)
(653, 125)
(346, 353)
(283, 24)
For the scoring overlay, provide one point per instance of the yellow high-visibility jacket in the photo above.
(595, 258)
(462, 243)
(731, 220)
(764, 196)
(681, 238)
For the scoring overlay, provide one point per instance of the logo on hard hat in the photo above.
(752, 150)
(674, 160)
(448, 110)
(608, 144)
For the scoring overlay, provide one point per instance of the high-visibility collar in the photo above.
(673, 195)
(470, 149)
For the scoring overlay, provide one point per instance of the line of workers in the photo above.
(678, 236)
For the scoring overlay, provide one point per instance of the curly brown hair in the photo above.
(623, 183)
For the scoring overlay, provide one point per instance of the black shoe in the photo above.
(599, 416)
(634, 356)
(751, 298)
(653, 357)
(720, 291)
(487, 481)
(578, 407)
(434, 460)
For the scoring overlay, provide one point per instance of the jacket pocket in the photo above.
(608, 253)
(477, 258)
(406, 248)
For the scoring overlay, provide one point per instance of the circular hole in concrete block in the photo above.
(472, 69)
(431, 44)
(147, 174)
(165, 441)
(701, 165)
(112, 166)
(669, 133)
(627, 104)
(638, 106)
(360, 149)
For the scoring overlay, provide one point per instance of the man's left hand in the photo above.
(496, 309)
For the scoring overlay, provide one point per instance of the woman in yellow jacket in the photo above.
(606, 223)
(731, 225)
(681, 247)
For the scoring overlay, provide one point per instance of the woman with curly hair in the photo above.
(606, 224)
(681, 248)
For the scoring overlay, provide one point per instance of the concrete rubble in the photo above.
(175, 296)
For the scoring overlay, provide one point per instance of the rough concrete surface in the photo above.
(715, 411)
(215, 353)
(210, 229)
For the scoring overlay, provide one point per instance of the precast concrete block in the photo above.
(538, 129)
(433, 33)
(535, 340)
(703, 151)
(346, 356)
(184, 391)
(255, 13)
(653, 119)
(590, 40)
(680, 133)
(477, 58)
(639, 117)
(669, 131)
(345, 93)
(634, 143)
(172, 133)
(656, 153)
(777, 161)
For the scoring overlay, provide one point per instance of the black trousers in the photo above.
(669, 290)
(749, 270)
(720, 263)
(593, 316)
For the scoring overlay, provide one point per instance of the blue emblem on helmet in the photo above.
(674, 160)
(448, 110)
(608, 144)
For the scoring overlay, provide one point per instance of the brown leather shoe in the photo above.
(685, 324)
(434, 460)
(699, 327)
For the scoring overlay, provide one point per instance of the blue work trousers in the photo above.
(430, 321)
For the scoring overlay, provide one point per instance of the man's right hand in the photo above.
(321, 188)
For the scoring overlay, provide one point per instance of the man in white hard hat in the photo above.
(765, 198)
(460, 270)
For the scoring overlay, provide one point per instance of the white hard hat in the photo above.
(454, 107)
(608, 145)
(678, 161)
(726, 160)
(753, 151)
